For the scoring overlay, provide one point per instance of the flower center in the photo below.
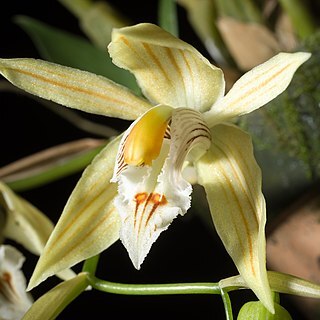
(144, 142)
(148, 170)
(7, 289)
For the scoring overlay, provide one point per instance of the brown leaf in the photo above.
(285, 33)
(250, 44)
(43, 160)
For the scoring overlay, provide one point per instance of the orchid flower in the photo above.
(25, 224)
(14, 300)
(136, 186)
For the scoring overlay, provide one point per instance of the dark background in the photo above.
(189, 251)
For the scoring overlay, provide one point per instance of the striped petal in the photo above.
(257, 87)
(73, 88)
(232, 181)
(152, 194)
(169, 71)
(89, 223)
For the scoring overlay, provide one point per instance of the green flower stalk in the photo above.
(136, 185)
(96, 19)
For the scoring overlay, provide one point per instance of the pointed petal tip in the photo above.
(136, 256)
(257, 87)
(298, 57)
(39, 275)
(34, 282)
(304, 55)
(137, 263)
(35, 279)
(267, 301)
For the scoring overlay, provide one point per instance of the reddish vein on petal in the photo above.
(249, 93)
(73, 88)
(231, 188)
(156, 60)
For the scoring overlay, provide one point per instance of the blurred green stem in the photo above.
(300, 17)
(77, 7)
(245, 10)
(276, 297)
(167, 16)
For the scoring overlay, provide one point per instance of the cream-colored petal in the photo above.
(73, 88)
(52, 303)
(89, 223)
(232, 181)
(25, 224)
(168, 70)
(257, 87)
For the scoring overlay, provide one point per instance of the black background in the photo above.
(189, 251)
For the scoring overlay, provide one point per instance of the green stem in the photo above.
(153, 289)
(90, 265)
(300, 17)
(77, 7)
(227, 304)
(167, 13)
(252, 12)
(276, 297)
(245, 10)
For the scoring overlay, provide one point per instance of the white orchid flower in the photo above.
(14, 300)
(25, 224)
(182, 123)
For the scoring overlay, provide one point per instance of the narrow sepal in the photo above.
(89, 223)
(73, 88)
(257, 87)
(232, 181)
